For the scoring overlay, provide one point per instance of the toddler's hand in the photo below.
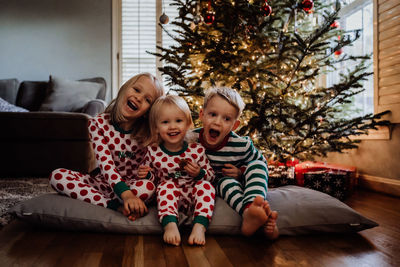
(231, 171)
(192, 168)
(142, 171)
(134, 207)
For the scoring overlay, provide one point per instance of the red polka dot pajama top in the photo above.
(176, 190)
(118, 156)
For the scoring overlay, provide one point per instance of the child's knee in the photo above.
(56, 175)
(206, 185)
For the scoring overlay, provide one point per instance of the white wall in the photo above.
(67, 38)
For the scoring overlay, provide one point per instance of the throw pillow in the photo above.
(7, 107)
(67, 95)
(301, 211)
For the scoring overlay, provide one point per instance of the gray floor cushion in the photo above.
(301, 211)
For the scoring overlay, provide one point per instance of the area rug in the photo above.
(15, 190)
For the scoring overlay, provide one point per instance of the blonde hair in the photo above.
(141, 131)
(157, 109)
(229, 94)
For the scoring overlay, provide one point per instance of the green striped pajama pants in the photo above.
(238, 194)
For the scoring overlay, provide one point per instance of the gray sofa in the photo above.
(48, 132)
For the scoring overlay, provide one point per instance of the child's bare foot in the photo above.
(254, 216)
(171, 234)
(197, 236)
(270, 229)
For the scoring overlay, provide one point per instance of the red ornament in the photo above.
(307, 5)
(266, 9)
(338, 52)
(335, 24)
(209, 16)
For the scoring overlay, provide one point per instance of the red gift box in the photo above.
(314, 166)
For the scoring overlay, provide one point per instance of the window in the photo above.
(140, 32)
(357, 15)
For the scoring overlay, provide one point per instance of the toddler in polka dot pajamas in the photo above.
(117, 136)
(181, 169)
(241, 170)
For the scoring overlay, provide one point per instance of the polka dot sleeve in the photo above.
(200, 155)
(101, 147)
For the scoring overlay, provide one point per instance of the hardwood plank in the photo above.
(214, 253)
(195, 255)
(239, 251)
(113, 251)
(153, 251)
(133, 251)
(22, 252)
(174, 256)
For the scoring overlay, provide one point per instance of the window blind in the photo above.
(139, 22)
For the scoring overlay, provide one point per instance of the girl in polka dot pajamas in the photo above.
(116, 136)
(182, 170)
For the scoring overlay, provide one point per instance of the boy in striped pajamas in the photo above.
(241, 170)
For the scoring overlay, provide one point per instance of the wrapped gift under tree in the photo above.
(334, 179)
(280, 174)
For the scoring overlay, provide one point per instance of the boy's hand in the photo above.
(133, 205)
(192, 168)
(143, 171)
(231, 171)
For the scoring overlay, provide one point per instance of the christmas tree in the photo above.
(273, 53)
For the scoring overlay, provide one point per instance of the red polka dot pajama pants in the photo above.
(95, 189)
(197, 201)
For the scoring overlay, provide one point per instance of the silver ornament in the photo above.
(164, 18)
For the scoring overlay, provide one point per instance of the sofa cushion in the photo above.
(31, 94)
(103, 90)
(9, 90)
(301, 211)
(67, 95)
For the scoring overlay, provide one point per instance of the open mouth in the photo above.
(132, 106)
(173, 134)
(213, 133)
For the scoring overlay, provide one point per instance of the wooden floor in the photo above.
(23, 245)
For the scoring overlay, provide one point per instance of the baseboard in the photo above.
(380, 184)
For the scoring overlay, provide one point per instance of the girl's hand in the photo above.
(192, 168)
(231, 171)
(143, 171)
(134, 207)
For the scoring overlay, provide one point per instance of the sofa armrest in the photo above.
(94, 107)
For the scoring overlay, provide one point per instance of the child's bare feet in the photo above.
(171, 234)
(197, 236)
(254, 216)
(270, 229)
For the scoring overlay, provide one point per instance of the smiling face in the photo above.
(137, 100)
(172, 125)
(219, 118)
